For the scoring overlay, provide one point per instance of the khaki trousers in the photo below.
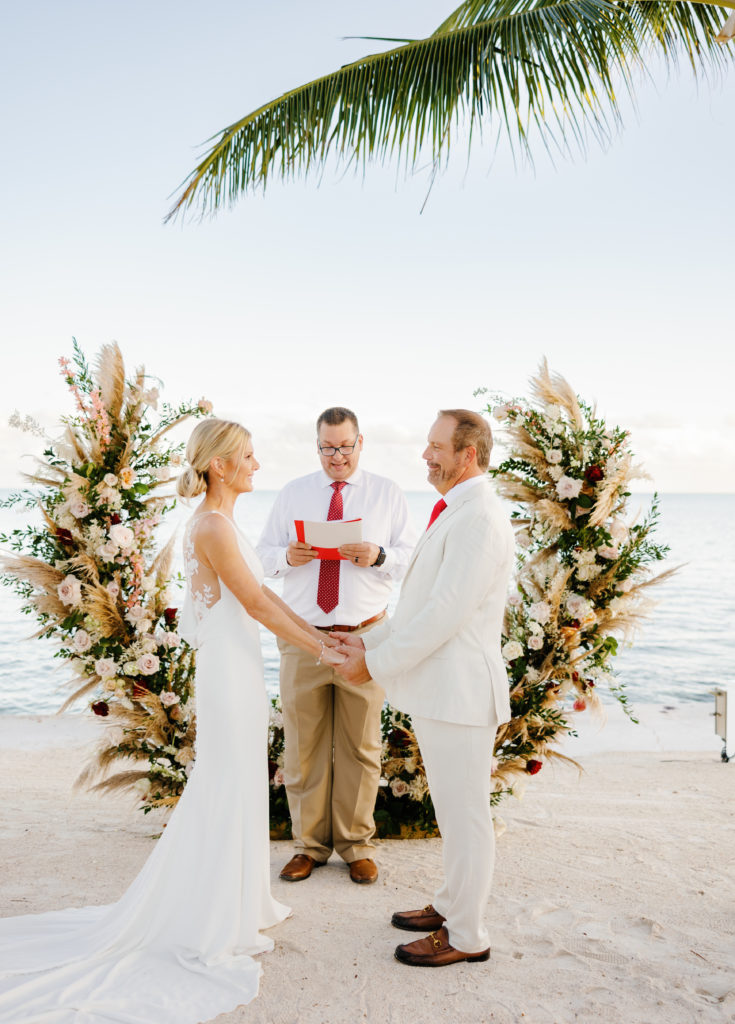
(332, 756)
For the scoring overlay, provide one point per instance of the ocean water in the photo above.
(686, 648)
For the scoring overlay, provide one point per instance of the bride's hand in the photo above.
(346, 640)
(330, 656)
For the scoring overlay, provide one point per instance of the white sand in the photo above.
(614, 898)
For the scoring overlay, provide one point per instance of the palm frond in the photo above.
(509, 64)
(110, 374)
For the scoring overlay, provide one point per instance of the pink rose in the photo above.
(113, 588)
(122, 536)
(278, 778)
(168, 697)
(70, 590)
(82, 641)
(606, 551)
(535, 643)
(205, 406)
(148, 664)
(398, 787)
(105, 668)
(79, 508)
(568, 487)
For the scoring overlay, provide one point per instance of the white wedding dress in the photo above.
(177, 948)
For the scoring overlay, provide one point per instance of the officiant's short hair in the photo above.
(472, 429)
(335, 415)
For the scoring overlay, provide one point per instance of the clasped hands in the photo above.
(362, 555)
(353, 668)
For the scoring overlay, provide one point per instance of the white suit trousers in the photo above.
(458, 761)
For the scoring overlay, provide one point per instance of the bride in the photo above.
(177, 948)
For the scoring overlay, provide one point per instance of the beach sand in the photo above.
(614, 896)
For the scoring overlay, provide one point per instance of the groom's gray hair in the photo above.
(472, 430)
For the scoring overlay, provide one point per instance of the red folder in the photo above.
(328, 553)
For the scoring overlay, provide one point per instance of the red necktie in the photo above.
(437, 510)
(327, 594)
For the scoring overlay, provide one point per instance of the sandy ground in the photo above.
(614, 898)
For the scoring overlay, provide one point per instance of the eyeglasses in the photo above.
(344, 449)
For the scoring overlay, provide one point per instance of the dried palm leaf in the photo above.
(110, 375)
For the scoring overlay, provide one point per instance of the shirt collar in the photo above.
(459, 489)
(355, 479)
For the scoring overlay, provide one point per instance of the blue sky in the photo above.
(618, 266)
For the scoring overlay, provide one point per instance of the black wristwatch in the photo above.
(381, 557)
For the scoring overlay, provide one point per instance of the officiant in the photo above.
(332, 729)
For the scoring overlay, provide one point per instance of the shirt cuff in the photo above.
(388, 564)
(282, 566)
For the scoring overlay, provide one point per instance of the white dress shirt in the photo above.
(363, 591)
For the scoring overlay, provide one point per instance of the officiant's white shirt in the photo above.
(363, 592)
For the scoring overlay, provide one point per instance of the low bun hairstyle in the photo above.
(210, 439)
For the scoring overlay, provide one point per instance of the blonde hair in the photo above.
(209, 440)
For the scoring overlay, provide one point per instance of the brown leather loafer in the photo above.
(435, 951)
(426, 920)
(363, 871)
(299, 868)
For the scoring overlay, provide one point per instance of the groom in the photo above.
(439, 660)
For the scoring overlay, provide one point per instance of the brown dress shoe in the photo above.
(299, 867)
(363, 871)
(426, 920)
(435, 951)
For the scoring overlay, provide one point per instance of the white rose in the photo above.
(82, 641)
(113, 588)
(536, 627)
(540, 611)
(588, 572)
(123, 536)
(148, 664)
(70, 590)
(577, 606)
(553, 412)
(618, 531)
(110, 479)
(535, 642)
(568, 487)
(500, 412)
(130, 668)
(515, 600)
(135, 614)
(606, 551)
(169, 698)
(105, 668)
(79, 508)
(512, 650)
(398, 787)
(162, 473)
(128, 477)
(554, 456)
(107, 551)
(173, 639)
(148, 584)
(532, 675)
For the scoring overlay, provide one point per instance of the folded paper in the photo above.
(328, 537)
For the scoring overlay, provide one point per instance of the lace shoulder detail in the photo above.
(202, 582)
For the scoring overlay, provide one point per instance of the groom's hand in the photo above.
(354, 669)
(347, 639)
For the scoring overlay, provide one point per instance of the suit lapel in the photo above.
(471, 495)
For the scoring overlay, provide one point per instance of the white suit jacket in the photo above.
(439, 655)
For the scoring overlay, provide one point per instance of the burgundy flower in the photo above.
(140, 689)
(101, 708)
(170, 615)
(115, 519)
(399, 738)
(575, 676)
(64, 535)
(534, 766)
(593, 474)
(580, 704)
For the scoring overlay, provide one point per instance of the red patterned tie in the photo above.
(327, 595)
(437, 510)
